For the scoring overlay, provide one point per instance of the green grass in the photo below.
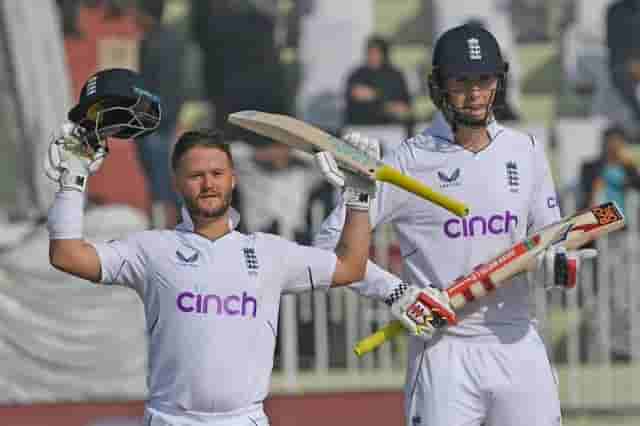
(600, 421)
(601, 386)
(595, 386)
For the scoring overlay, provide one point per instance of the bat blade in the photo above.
(571, 232)
(305, 137)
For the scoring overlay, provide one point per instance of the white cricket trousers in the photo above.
(474, 381)
(252, 416)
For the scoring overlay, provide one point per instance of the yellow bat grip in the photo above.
(394, 176)
(376, 339)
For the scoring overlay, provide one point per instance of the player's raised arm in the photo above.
(352, 249)
(377, 282)
(112, 103)
(70, 161)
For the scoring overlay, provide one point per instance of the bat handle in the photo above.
(376, 339)
(388, 332)
(391, 175)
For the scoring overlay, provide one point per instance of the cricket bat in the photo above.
(571, 232)
(305, 137)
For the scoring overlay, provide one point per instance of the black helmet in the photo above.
(465, 51)
(113, 102)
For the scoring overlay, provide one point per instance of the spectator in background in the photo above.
(615, 171)
(259, 85)
(377, 91)
(234, 36)
(271, 168)
(623, 43)
(161, 67)
(609, 177)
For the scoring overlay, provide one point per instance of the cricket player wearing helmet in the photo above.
(488, 366)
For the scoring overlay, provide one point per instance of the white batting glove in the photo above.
(421, 310)
(557, 267)
(357, 190)
(71, 160)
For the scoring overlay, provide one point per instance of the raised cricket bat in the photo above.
(305, 137)
(571, 232)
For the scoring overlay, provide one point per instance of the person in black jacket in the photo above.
(234, 36)
(377, 92)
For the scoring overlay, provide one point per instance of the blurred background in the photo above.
(74, 354)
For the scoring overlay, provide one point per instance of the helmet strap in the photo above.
(453, 116)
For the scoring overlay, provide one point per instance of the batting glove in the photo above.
(421, 310)
(357, 190)
(71, 159)
(556, 267)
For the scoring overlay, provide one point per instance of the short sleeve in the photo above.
(544, 204)
(123, 262)
(306, 268)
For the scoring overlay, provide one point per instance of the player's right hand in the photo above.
(357, 190)
(421, 310)
(71, 159)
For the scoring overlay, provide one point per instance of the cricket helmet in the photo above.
(114, 103)
(465, 51)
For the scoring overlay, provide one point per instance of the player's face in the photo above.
(205, 179)
(472, 95)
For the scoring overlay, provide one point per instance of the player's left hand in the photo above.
(421, 310)
(357, 190)
(558, 267)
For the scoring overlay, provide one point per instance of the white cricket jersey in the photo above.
(211, 310)
(510, 192)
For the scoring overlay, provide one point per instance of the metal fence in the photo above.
(592, 333)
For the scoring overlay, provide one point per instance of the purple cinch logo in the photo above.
(212, 303)
(478, 225)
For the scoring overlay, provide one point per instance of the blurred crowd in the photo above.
(600, 57)
(241, 63)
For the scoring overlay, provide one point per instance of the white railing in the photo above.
(583, 329)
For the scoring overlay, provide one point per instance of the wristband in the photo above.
(396, 294)
(65, 217)
(74, 181)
